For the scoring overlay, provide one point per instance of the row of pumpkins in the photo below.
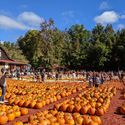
(9, 113)
(54, 117)
(32, 95)
(92, 101)
(85, 109)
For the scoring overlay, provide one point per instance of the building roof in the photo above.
(9, 60)
(12, 62)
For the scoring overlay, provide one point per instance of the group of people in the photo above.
(17, 73)
(98, 78)
(93, 78)
(39, 76)
(56, 75)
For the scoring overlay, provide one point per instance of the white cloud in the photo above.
(107, 17)
(104, 5)
(24, 21)
(30, 18)
(9, 23)
(120, 26)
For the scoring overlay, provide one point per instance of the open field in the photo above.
(63, 103)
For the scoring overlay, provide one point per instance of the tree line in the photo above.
(102, 48)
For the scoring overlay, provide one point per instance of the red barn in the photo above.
(10, 64)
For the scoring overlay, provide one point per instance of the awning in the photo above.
(12, 62)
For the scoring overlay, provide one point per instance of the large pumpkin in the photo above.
(18, 123)
(3, 119)
(24, 111)
(17, 113)
(11, 116)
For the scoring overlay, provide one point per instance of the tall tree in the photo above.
(29, 44)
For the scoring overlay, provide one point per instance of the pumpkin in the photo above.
(11, 116)
(24, 111)
(38, 105)
(18, 123)
(17, 113)
(100, 111)
(3, 119)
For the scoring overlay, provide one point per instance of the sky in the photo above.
(19, 16)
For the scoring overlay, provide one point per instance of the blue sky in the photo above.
(18, 16)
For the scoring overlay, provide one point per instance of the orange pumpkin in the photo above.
(26, 103)
(38, 105)
(84, 109)
(21, 102)
(61, 121)
(79, 120)
(11, 116)
(3, 119)
(32, 104)
(70, 108)
(17, 113)
(86, 120)
(99, 111)
(24, 111)
(77, 108)
(91, 111)
(70, 121)
(96, 119)
(18, 123)
(92, 123)
(63, 107)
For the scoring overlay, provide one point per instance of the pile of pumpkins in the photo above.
(26, 94)
(94, 101)
(9, 113)
(54, 117)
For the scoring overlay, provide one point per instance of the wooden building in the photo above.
(9, 64)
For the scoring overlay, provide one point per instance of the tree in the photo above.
(97, 55)
(78, 33)
(29, 44)
(75, 48)
(118, 50)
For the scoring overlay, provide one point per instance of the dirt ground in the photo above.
(112, 117)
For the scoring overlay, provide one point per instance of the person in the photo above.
(90, 79)
(38, 77)
(18, 73)
(98, 80)
(57, 75)
(3, 85)
(43, 73)
(121, 77)
(94, 78)
(102, 78)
